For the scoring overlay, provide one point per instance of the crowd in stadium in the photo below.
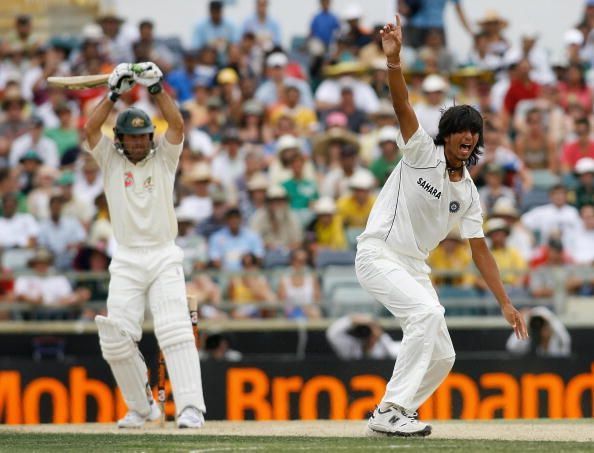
(285, 149)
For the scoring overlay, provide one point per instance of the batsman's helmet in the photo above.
(133, 121)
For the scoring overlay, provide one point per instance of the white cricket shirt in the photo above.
(419, 205)
(140, 197)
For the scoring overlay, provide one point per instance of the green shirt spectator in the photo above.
(390, 156)
(65, 136)
(300, 191)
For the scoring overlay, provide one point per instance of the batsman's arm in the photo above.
(175, 122)
(96, 120)
(392, 43)
(485, 263)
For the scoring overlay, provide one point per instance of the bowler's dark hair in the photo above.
(461, 118)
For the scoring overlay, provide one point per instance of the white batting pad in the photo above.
(127, 364)
(176, 340)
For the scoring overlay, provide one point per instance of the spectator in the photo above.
(65, 136)
(521, 87)
(47, 290)
(268, 92)
(61, 235)
(118, 37)
(354, 34)
(494, 189)
(194, 246)
(184, 78)
(354, 208)
(276, 224)
(228, 245)
(534, 147)
(327, 94)
(88, 184)
(38, 198)
(548, 336)
(336, 181)
(510, 262)
(535, 54)
(304, 117)
(556, 217)
(35, 141)
(481, 56)
(255, 197)
(492, 24)
(16, 229)
(215, 120)
(356, 118)
(554, 274)
(581, 148)
(359, 336)
(390, 155)
(209, 296)
(155, 50)
(266, 30)
(519, 237)
(425, 15)
(250, 289)
(584, 192)
(434, 45)
(229, 164)
(326, 230)
(299, 289)
(301, 191)
(13, 124)
(198, 205)
(429, 111)
(218, 347)
(216, 221)
(573, 88)
(74, 206)
(287, 147)
(23, 36)
(325, 24)
(581, 244)
(215, 31)
(30, 164)
(451, 262)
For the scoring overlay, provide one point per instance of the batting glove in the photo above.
(121, 79)
(149, 75)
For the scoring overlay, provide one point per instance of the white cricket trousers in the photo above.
(402, 285)
(155, 274)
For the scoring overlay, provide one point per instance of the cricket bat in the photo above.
(79, 82)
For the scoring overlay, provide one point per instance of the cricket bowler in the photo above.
(428, 193)
(138, 177)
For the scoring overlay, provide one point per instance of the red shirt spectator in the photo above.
(582, 147)
(520, 87)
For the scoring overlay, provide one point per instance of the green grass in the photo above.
(91, 443)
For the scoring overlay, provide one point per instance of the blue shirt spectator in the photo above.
(228, 245)
(267, 93)
(324, 24)
(215, 31)
(266, 29)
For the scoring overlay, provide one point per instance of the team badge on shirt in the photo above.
(148, 184)
(454, 206)
(128, 179)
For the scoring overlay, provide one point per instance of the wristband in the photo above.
(393, 66)
(113, 96)
(156, 88)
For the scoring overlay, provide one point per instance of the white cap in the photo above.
(199, 172)
(275, 192)
(496, 224)
(529, 31)
(362, 180)
(353, 11)
(92, 31)
(388, 134)
(505, 207)
(287, 142)
(584, 165)
(325, 205)
(573, 36)
(259, 181)
(434, 82)
(276, 59)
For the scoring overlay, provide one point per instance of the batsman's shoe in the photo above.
(396, 421)
(190, 417)
(133, 419)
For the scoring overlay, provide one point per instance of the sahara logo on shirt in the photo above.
(128, 179)
(429, 188)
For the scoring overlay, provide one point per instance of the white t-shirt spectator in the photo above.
(52, 288)
(46, 149)
(18, 230)
(348, 347)
(549, 219)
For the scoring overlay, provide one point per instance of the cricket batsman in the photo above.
(138, 177)
(428, 193)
